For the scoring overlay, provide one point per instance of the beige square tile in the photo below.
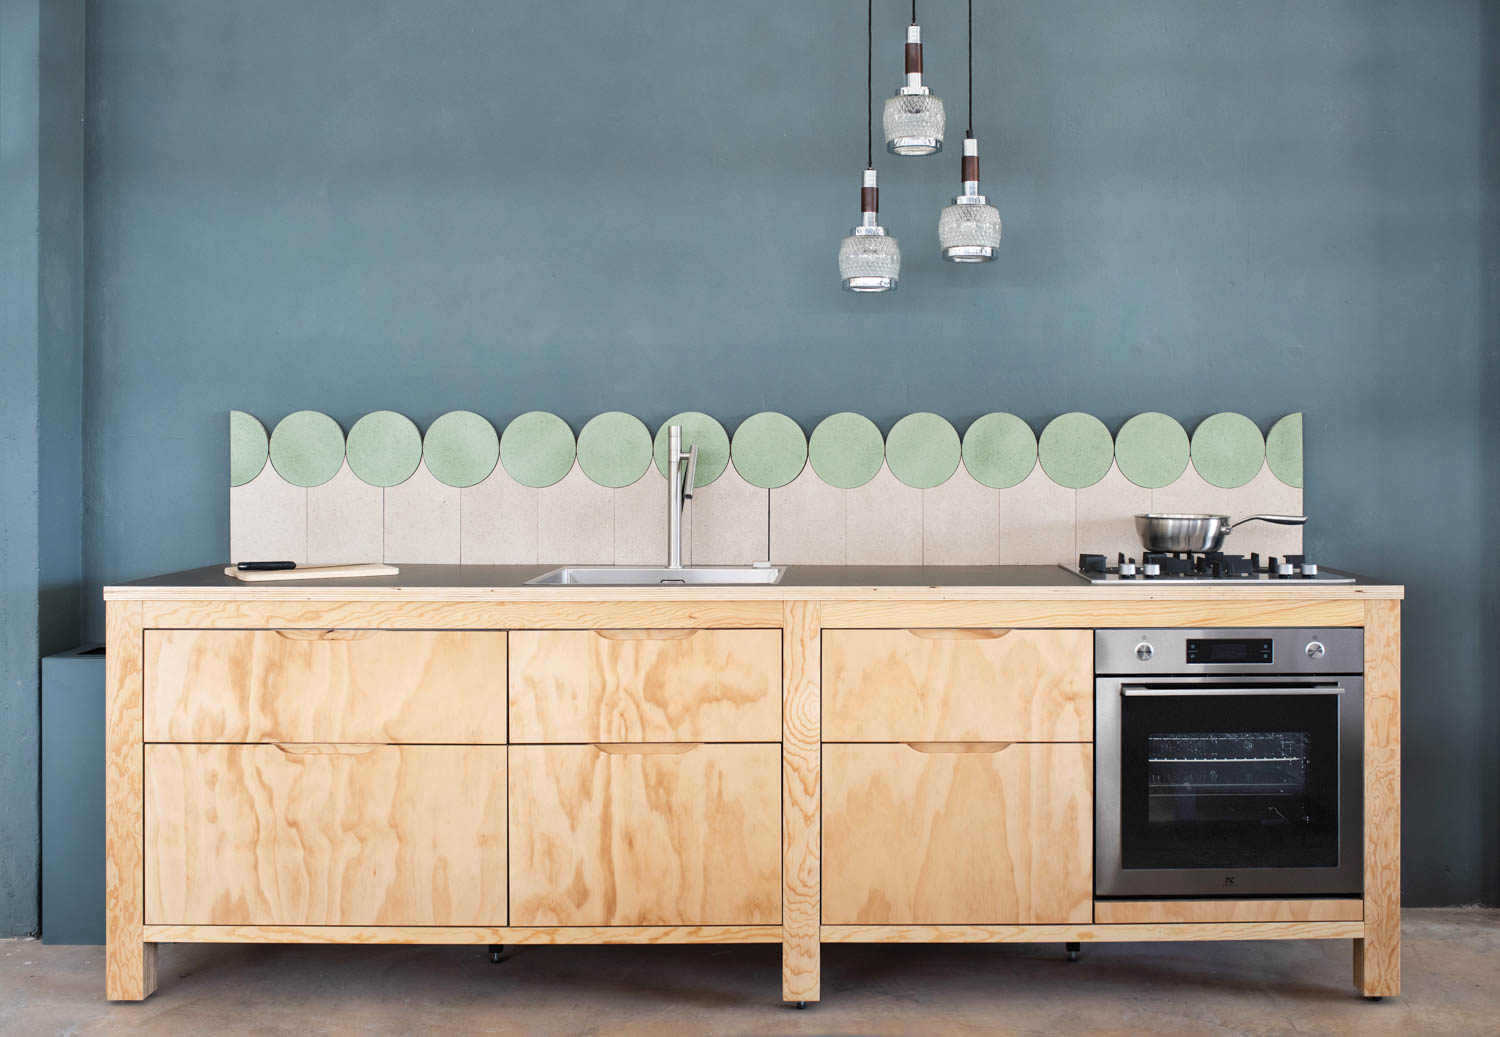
(1191, 494)
(1106, 516)
(641, 521)
(268, 520)
(345, 521)
(1038, 522)
(498, 524)
(1265, 495)
(961, 522)
(883, 524)
(807, 522)
(731, 522)
(422, 520)
(576, 522)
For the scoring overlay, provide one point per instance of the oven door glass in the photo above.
(1229, 781)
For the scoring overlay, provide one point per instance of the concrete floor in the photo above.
(1451, 960)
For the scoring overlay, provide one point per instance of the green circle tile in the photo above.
(460, 448)
(248, 447)
(846, 450)
(1075, 450)
(999, 450)
(1228, 449)
(1152, 450)
(707, 435)
(614, 448)
(307, 448)
(384, 448)
(537, 448)
(1284, 450)
(769, 450)
(923, 450)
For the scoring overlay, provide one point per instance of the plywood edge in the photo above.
(1109, 912)
(463, 935)
(1152, 933)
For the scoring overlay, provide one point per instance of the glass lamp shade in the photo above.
(869, 262)
(914, 123)
(969, 232)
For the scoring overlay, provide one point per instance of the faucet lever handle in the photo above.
(692, 472)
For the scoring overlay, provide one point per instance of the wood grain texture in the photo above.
(1123, 912)
(925, 685)
(645, 686)
(1377, 957)
(608, 838)
(414, 612)
(1007, 610)
(325, 686)
(1091, 933)
(801, 803)
(913, 838)
(129, 960)
(325, 835)
(466, 935)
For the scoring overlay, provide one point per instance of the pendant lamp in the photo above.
(914, 118)
(869, 258)
(969, 229)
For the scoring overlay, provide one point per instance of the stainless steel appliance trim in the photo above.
(1138, 691)
(1115, 651)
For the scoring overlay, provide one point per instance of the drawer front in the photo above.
(325, 835)
(645, 686)
(325, 686)
(961, 834)
(958, 685)
(665, 834)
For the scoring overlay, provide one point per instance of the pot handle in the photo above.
(1280, 520)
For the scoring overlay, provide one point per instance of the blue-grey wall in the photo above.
(1252, 205)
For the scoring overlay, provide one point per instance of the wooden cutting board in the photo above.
(311, 572)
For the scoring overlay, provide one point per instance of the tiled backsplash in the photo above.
(999, 494)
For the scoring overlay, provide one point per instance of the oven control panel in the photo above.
(1229, 651)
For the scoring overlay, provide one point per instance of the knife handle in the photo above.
(265, 566)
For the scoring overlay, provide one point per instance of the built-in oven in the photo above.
(1228, 762)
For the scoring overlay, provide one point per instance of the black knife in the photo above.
(265, 566)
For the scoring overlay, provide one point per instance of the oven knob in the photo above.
(1144, 651)
(1315, 650)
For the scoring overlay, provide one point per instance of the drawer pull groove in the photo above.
(327, 748)
(327, 635)
(958, 633)
(646, 748)
(645, 635)
(959, 747)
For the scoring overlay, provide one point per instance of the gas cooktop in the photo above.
(1210, 567)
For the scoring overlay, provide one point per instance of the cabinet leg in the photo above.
(129, 970)
(496, 949)
(1072, 949)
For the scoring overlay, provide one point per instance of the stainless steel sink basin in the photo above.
(654, 575)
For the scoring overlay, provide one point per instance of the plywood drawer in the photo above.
(325, 686)
(665, 834)
(325, 835)
(963, 834)
(645, 686)
(958, 685)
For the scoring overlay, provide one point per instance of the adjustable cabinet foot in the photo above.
(1375, 997)
(801, 1004)
(496, 949)
(1072, 949)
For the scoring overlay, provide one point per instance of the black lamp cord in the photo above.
(969, 133)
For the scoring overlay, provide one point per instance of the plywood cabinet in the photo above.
(957, 833)
(958, 685)
(629, 834)
(645, 685)
(325, 835)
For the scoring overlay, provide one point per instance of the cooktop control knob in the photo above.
(1315, 650)
(1285, 569)
(1151, 569)
(1309, 569)
(1144, 651)
(1127, 568)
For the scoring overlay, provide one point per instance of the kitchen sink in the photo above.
(651, 575)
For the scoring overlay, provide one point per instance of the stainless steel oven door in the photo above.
(1229, 786)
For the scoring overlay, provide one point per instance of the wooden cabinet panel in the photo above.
(957, 834)
(645, 685)
(325, 835)
(958, 685)
(325, 686)
(663, 834)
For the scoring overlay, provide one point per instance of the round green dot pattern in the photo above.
(1152, 450)
(999, 450)
(769, 450)
(537, 449)
(1284, 450)
(923, 450)
(307, 448)
(384, 448)
(846, 450)
(614, 449)
(706, 434)
(1228, 450)
(460, 449)
(248, 447)
(1075, 450)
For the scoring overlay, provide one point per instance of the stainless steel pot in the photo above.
(1178, 533)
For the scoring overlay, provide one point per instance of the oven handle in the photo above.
(1130, 691)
